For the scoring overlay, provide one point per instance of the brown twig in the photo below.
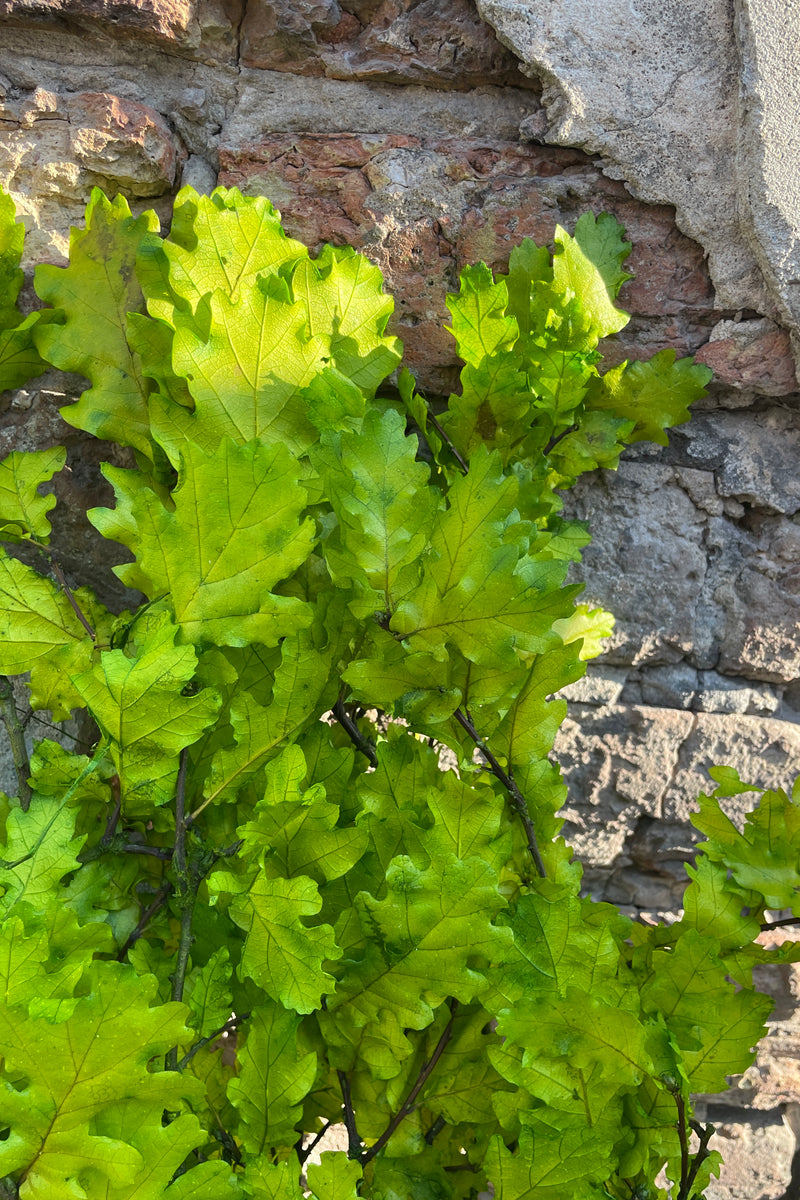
(354, 733)
(507, 779)
(777, 924)
(447, 441)
(407, 1107)
(353, 1140)
(304, 1151)
(705, 1135)
(76, 608)
(16, 737)
(145, 919)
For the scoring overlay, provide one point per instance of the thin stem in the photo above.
(777, 924)
(407, 1106)
(461, 462)
(683, 1137)
(16, 736)
(434, 1131)
(113, 817)
(145, 919)
(154, 851)
(353, 1140)
(228, 1027)
(304, 1152)
(705, 1135)
(186, 894)
(354, 733)
(507, 780)
(76, 608)
(551, 445)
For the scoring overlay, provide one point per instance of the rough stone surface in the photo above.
(208, 28)
(393, 41)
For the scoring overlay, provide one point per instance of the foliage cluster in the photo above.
(262, 905)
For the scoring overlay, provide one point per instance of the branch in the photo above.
(16, 736)
(59, 574)
(354, 733)
(407, 1106)
(777, 924)
(461, 462)
(187, 893)
(551, 445)
(228, 1027)
(304, 1152)
(353, 1140)
(145, 919)
(507, 780)
(705, 1135)
(684, 1140)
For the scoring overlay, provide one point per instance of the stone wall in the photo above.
(431, 134)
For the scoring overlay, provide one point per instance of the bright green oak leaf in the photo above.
(554, 948)
(548, 1166)
(422, 1177)
(261, 729)
(23, 512)
(221, 242)
(19, 359)
(140, 706)
(295, 833)
(96, 292)
(383, 508)
(274, 1078)
(334, 1177)
(235, 531)
(208, 993)
(430, 927)
(264, 1179)
(481, 324)
(37, 620)
(714, 905)
(479, 591)
(715, 1024)
(589, 265)
(282, 954)
(654, 395)
(44, 954)
(41, 847)
(765, 856)
(163, 1149)
(76, 1071)
(583, 1030)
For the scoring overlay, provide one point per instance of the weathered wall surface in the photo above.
(433, 133)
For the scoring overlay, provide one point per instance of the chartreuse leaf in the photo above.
(765, 856)
(208, 993)
(96, 292)
(282, 954)
(383, 508)
(256, 319)
(72, 1076)
(275, 1075)
(479, 592)
(139, 704)
(654, 395)
(19, 359)
(589, 265)
(714, 1023)
(294, 833)
(430, 926)
(40, 849)
(334, 1177)
(23, 512)
(234, 532)
(548, 1165)
(265, 1180)
(260, 730)
(36, 619)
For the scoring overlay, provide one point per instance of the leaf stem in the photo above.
(354, 733)
(186, 888)
(507, 780)
(303, 1153)
(16, 736)
(407, 1107)
(447, 441)
(145, 919)
(683, 1137)
(228, 1027)
(354, 1142)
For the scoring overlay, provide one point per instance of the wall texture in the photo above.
(433, 133)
